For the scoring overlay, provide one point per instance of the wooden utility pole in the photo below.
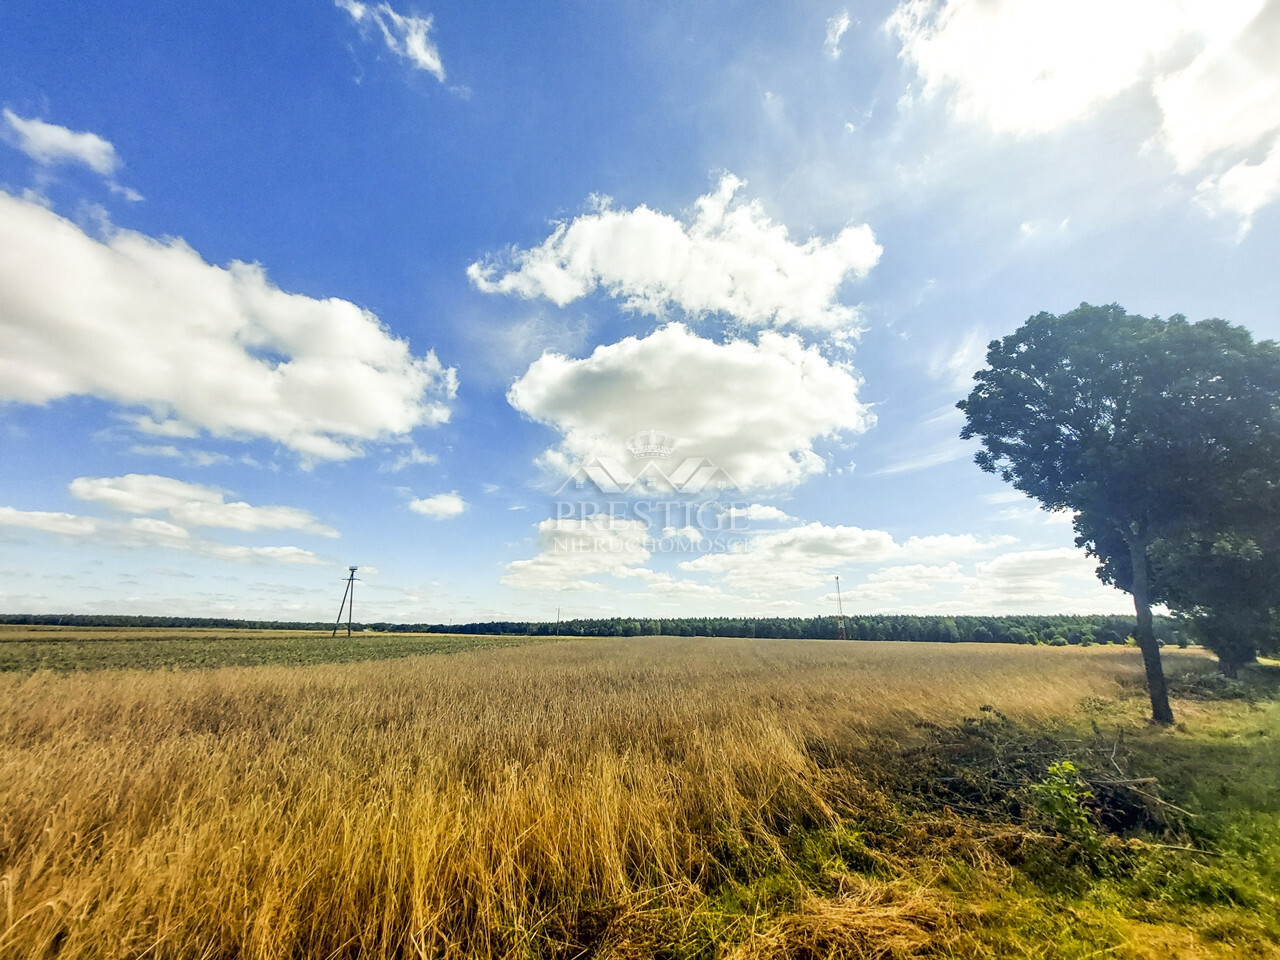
(348, 602)
(840, 608)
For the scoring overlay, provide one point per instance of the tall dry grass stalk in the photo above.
(490, 804)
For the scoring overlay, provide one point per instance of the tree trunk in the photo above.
(1145, 635)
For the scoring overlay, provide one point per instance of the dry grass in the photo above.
(522, 802)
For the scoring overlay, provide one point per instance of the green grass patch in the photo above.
(25, 649)
(991, 840)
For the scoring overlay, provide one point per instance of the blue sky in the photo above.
(290, 287)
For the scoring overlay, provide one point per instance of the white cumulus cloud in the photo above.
(904, 587)
(1059, 580)
(442, 506)
(48, 143)
(1228, 95)
(408, 37)
(1056, 581)
(1221, 113)
(191, 504)
(1032, 67)
(573, 550)
(729, 258)
(49, 522)
(191, 347)
(754, 410)
(759, 511)
(147, 532)
(1210, 66)
(806, 556)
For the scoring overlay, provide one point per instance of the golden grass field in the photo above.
(565, 798)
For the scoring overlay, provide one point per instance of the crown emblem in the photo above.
(651, 444)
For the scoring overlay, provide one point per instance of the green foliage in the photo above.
(1061, 796)
(1227, 583)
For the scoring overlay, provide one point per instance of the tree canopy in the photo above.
(1146, 429)
(1227, 583)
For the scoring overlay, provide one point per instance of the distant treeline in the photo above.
(187, 623)
(1013, 629)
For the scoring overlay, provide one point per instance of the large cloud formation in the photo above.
(754, 410)
(150, 325)
(730, 258)
(1210, 65)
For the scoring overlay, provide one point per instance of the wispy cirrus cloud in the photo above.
(405, 36)
(836, 29)
(947, 451)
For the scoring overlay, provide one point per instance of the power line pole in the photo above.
(348, 594)
(840, 608)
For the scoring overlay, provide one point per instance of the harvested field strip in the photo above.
(24, 649)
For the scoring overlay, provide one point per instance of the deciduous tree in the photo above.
(1146, 429)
